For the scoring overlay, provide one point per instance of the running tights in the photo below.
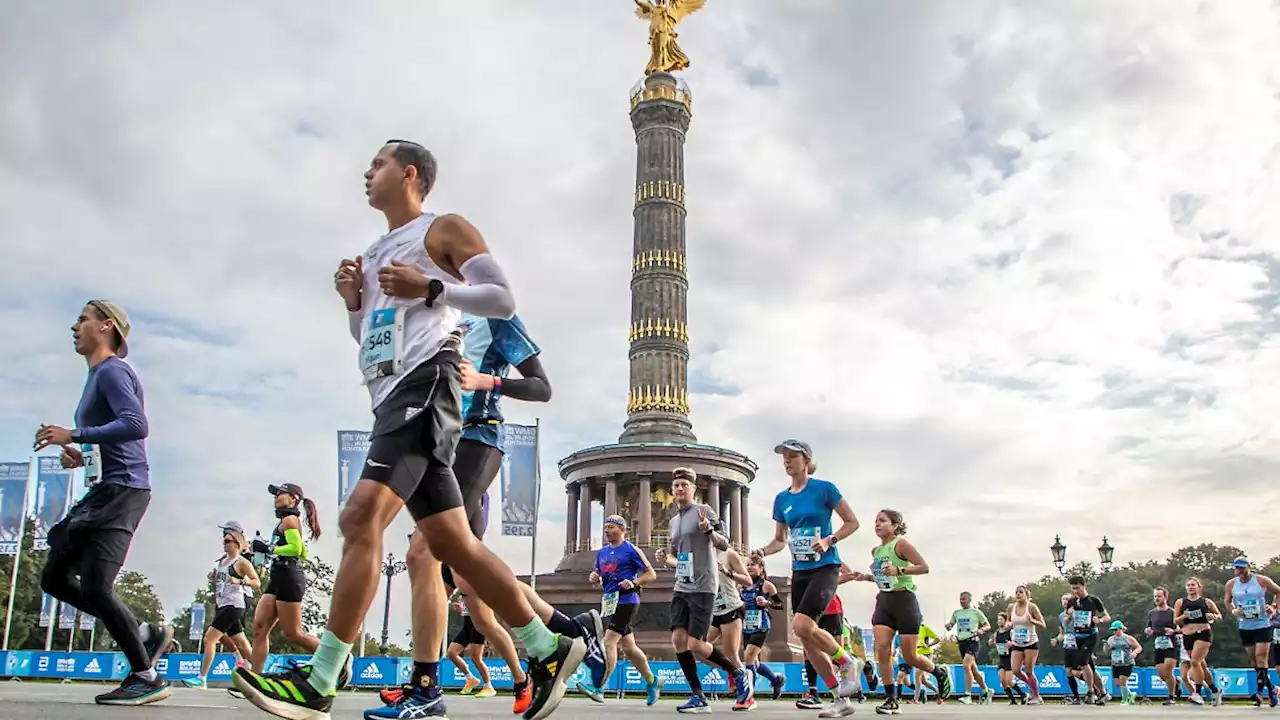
(93, 592)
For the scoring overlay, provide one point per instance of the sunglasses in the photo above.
(227, 538)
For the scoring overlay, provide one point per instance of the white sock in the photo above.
(149, 674)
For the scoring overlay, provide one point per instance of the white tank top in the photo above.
(1021, 631)
(224, 592)
(728, 592)
(424, 330)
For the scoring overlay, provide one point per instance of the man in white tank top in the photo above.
(404, 298)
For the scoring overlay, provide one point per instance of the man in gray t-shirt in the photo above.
(696, 535)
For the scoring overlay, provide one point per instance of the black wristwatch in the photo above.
(434, 288)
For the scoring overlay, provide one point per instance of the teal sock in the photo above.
(538, 640)
(327, 663)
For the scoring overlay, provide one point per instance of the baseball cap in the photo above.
(1240, 562)
(794, 446)
(233, 526)
(119, 318)
(1117, 625)
(289, 488)
(616, 520)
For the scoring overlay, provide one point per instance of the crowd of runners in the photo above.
(434, 318)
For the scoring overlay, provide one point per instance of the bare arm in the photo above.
(738, 569)
(846, 574)
(1226, 592)
(1037, 618)
(1178, 618)
(779, 540)
(647, 575)
(247, 571)
(1213, 609)
(916, 564)
(850, 521)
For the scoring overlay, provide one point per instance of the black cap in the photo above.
(288, 488)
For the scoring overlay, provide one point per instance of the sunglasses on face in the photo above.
(227, 538)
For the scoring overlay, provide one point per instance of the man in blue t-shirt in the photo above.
(88, 547)
(621, 570)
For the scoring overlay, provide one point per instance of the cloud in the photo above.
(1008, 267)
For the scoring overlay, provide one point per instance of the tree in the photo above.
(25, 631)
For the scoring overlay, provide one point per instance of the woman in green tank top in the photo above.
(894, 563)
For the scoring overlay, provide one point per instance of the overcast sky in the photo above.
(1009, 267)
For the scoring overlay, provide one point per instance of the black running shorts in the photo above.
(229, 620)
(1254, 637)
(727, 619)
(1275, 654)
(287, 582)
(1082, 655)
(833, 625)
(468, 635)
(812, 590)
(968, 647)
(755, 639)
(898, 610)
(1162, 655)
(621, 619)
(415, 437)
(1006, 662)
(100, 526)
(691, 612)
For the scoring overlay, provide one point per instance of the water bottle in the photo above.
(259, 559)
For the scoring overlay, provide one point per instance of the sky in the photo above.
(1011, 268)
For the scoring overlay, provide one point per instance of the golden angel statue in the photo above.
(663, 16)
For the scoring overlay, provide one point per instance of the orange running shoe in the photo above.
(524, 697)
(391, 696)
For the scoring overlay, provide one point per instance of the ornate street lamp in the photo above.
(1105, 554)
(390, 568)
(1059, 553)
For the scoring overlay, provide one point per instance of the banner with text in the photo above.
(353, 446)
(87, 621)
(48, 606)
(67, 617)
(13, 502)
(197, 621)
(520, 480)
(53, 497)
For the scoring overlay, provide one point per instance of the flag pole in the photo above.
(17, 558)
(537, 501)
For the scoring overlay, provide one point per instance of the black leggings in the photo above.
(476, 465)
(93, 592)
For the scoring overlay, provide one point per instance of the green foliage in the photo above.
(25, 631)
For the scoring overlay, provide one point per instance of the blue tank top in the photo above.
(1251, 599)
(754, 618)
(494, 347)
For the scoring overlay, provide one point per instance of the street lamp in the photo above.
(1105, 554)
(1059, 553)
(390, 568)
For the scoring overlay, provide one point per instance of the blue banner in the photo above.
(519, 480)
(48, 606)
(13, 504)
(197, 622)
(87, 621)
(67, 617)
(53, 497)
(353, 446)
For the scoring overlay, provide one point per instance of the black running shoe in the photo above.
(943, 675)
(810, 701)
(888, 707)
(549, 677)
(136, 691)
(778, 683)
(287, 694)
(235, 692)
(156, 640)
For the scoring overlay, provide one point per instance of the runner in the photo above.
(88, 546)
(929, 642)
(1123, 648)
(471, 642)
(1024, 617)
(403, 307)
(726, 610)
(1247, 597)
(802, 515)
(831, 622)
(281, 601)
(621, 570)
(1194, 614)
(970, 624)
(894, 561)
(1001, 642)
(491, 348)
(695, 538)
(1086, 614)
(1160, 627)
(233, 573)
(759, 598)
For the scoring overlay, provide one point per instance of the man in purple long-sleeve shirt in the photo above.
(88, 547)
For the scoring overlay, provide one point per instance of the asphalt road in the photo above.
(29, 700)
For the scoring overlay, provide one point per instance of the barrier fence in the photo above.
(379, 672)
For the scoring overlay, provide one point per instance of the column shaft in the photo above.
(644, 524)
(571, 520)
(585, 531)
(735, 514)
(610, 496)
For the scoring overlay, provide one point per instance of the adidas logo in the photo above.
(712, 678)
(370, 672)
(223, 668)
(93, 666)
(1050, 680)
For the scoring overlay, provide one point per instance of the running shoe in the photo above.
(411, 705)
(592, 692)
(593, 635)
(965, 699)
(889, 707)
(550, 674)
(695, 705)
(1196, 699)
(391, 696)
(842, 707)
(1274, 695)
(780, 682)
(1217, 697)
(810, 701)
(287, 694)
(486, 692)
(523, 692)
(196, 683)
(943, 675)
(653, 690)
(745, 684)
(235, 692)
(470, 685)
(136, 691)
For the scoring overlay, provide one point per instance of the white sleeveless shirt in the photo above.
(421, 331)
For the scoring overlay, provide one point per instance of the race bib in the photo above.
(721, 604)
(1119, 657)
(1022, 635)
(1068, 642)
(381, 347)
(801, 540)
(684, 567)
(1251, 609)
(964, 624)
(1002, 649)
(754, 621)
(1164, 642)
(609, 604)
(92, 464)
(1275, 635)
(884, 582)
(1083, 619)
(1195, 614)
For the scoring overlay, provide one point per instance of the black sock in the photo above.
(1009, 691)
(426, 677)
(1213, 688)
(1074, 685)
(722, 661)
(1018, 689)
(562, 624)
(690, 668)
(891, 692)
(811, 676)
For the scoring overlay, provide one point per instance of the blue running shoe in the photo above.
(744, 681)
(593, 636)
(696, 705)
(586, 687)
(653, 690)
(412, 705)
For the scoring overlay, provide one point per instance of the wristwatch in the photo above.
(434, 288)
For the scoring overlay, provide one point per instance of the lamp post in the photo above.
(1106, 553)
(390, 568)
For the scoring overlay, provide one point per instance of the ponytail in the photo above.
(313, 521)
